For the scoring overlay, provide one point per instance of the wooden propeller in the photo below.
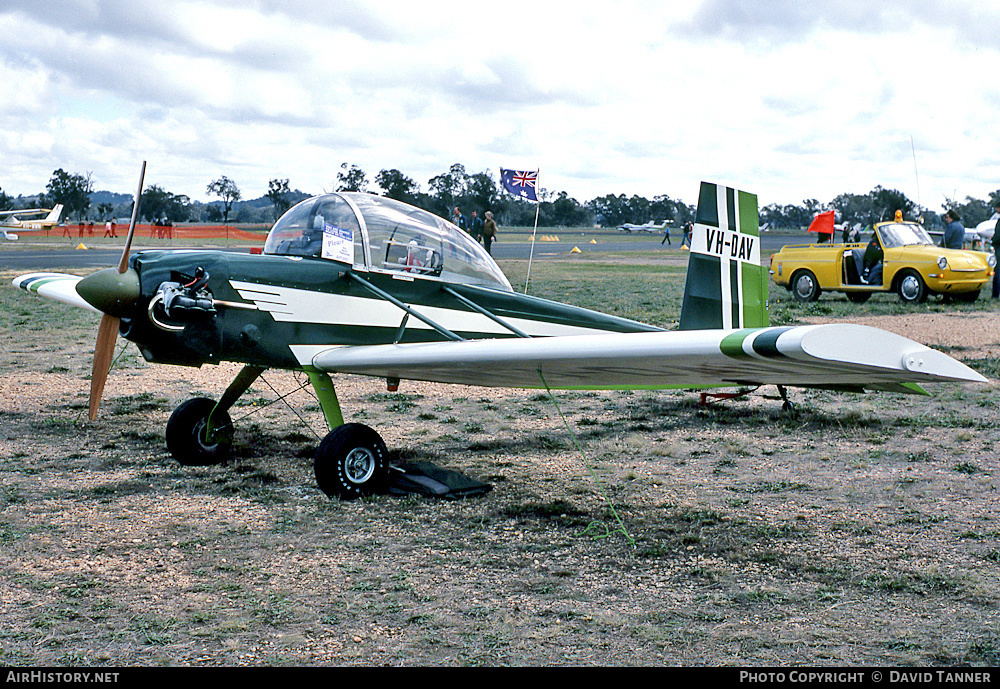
(107, 332)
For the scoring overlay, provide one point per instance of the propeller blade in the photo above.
(123, 264)
(107, 333)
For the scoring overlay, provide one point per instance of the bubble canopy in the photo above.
(377, 234)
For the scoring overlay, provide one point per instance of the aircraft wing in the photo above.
(27, 211)
(58, 286)
(835, 355)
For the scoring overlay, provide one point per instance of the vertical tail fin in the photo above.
(726, 285)
(55, 213)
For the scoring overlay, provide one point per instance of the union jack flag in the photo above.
(521, 183)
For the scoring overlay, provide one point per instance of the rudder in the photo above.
(726, 285)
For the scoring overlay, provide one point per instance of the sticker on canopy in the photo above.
(338, 243)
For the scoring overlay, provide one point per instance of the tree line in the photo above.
(479, 191)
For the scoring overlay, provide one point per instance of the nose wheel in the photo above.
(195, 441)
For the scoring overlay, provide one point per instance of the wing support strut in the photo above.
(479, 309)
(441, 330)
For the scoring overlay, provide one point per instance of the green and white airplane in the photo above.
(353, 283)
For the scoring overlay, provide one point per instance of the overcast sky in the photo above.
(787, 99)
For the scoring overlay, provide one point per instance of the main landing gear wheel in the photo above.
(352, 461)
(187, 437)
(911, 288)
(805, 286)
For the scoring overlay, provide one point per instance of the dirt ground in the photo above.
(860, 530)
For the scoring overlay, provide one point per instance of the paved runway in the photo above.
(31, 258)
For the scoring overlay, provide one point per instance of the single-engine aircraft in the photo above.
(355, 283)
(12, 219)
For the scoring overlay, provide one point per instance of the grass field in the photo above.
(861, 530)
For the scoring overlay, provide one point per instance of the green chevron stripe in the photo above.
(732, 344)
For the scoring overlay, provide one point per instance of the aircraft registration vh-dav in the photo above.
(12, 220)
(351, 283)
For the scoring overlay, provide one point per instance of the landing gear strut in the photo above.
(786, 404)
(200, 431)
(351, 461)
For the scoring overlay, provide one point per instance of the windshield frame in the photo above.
(893, 235)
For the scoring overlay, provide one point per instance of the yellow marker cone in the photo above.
(593, 241)
(81, 246)
(576, 250)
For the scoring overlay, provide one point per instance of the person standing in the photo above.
(459, 219)
(476, 227)
(489, 232)
(954, 233)
(666, 234)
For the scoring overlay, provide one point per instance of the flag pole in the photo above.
(531, 254)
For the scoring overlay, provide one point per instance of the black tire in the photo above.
(352, 461)
(859, 297)
(911, 288)
(186, 434)
(805, 286)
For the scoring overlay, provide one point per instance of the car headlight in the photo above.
(942, 262)
(992, 260)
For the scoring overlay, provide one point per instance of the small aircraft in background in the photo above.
(12, 219)
(352, 283)
(983, 232)
(647, 227)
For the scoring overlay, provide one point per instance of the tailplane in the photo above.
(726, 285)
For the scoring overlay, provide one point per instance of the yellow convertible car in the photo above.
(901, 257)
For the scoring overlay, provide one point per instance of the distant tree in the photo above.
(481, 192)
(853, 208)
(226, 190)
(277, 193)
(397, 186)
(610, 210)
(158, 203)
(885, 203)
(105, 211)
(6, 202)
(564, 211)
(448, 189)
(72, 191)
(351, 179)
(662, 208)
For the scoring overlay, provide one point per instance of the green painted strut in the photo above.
(327, 396)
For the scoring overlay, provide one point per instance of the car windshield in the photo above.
(382, 235)
(896, 234)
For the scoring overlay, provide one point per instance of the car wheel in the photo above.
(859, 297)
(352, 461)
(805, 286)
(186, 434)
(911, 288)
